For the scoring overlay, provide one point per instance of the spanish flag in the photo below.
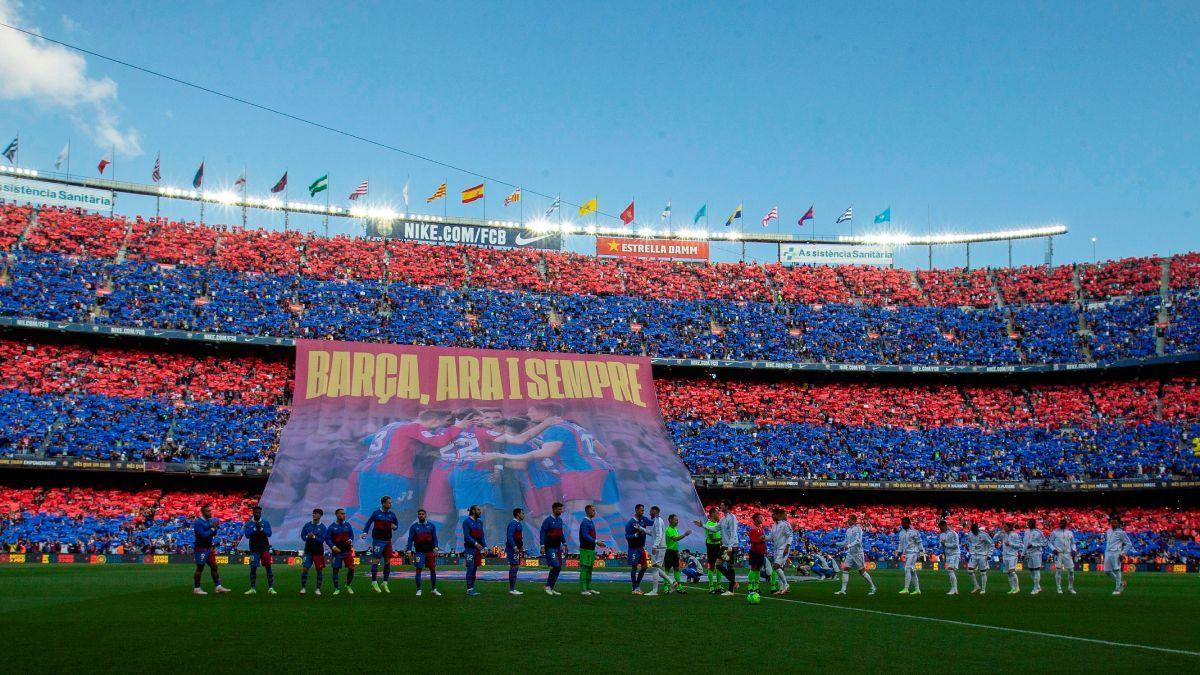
(472, 194)
(589, 206)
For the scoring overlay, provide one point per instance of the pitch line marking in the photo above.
(967, 624)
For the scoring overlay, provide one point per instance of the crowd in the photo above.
(105, 521)
(73, 266)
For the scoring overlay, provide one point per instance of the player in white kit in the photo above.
(781, 546)
(948, 540)
(658, 549)
(853, 557)
(1062, 546)
(979, 550)
(1116, 545)
(1033, 547)
(910, 545)
(1011, 544)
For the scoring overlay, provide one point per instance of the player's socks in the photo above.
(374, 572)
(752, 581)
(641, 573)
(953, 581)
(983, 582)
(270, 578)
(907, 579)
(320, 580)
(196, 577)
(418, 582)
(633, 578)
(845, 580)
(433, 580)
(349, 578)
(387, 571)
(303, 580)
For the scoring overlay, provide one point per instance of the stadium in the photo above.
(818, 438)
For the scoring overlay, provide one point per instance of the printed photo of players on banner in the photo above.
(447, 429)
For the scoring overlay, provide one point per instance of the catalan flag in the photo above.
(472, 194)
(514, 197)
(590, 206)
(439, 193)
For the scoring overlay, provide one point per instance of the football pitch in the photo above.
(144, 618)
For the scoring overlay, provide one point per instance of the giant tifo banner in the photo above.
(463, 233)
(13, 189)
(835, 254)
(659, 249)
(444, 429)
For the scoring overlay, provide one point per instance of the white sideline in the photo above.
(967, 624)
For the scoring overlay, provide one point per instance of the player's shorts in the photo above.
(205, 556)
(713, 555)
(597, 485)
(471, 557)
(636, 557)
(951, 561)
(657, 555)
(553, 557)
(587, 557)
(439, 497)
(1034, 563)
(315, 559)
(514, 557)
(779, 560)
(731, 555)
(979, 561)
(263, 558)
(540, 488)
(911, 561)
(1064, 562)
(423, 559)
(373, 485)
(1112, 561)
(1008, 563)
(854, 561)
(472, 486)
(343, 560)
(757, 560)
(381, 549)
(670, 559)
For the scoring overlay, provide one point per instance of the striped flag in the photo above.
(10, 152)
(198, 179)
(241, 181)
(360, 190)
(439, 193)
(472, 194)
(848, 214)
(771, 215)
(514, 197)
(736, 215)
(808, 215)
(554, 206)
(280, 185)
(156, 175)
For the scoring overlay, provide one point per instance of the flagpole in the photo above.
(285, 203)
(244, 182)
(68, 157)
(521, 208)
(327, 190)
(112, 209)
(202, 160)
(446, 200)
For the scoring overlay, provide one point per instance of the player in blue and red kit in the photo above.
(258, 531)
(204, 529)
(473, 544)
(313, 535)
(635, 537)
(423, 543)
(382, 524)
(514, 548)
(340, 536)
(554, 544)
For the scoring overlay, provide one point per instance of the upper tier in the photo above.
(288, 284)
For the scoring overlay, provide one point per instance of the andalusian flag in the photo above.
(319, 185)
(590, 206)
(472, 194)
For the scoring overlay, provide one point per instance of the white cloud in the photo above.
(53, 77)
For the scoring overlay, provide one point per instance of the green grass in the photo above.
(142, 618)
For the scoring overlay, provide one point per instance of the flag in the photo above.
(554, 206)
(885, 216)
(405, 195)
(156, 175)
(63, 155)
(736, 215)
(362, 190)
(589, 206)
(104, 162)
(666, 212)
(514, 197)
(472, 194)
(281, 184)
(848, 214)
(771, 215)
(319, 185)
(808, 215)
(198, 179)
(10, 152)
(437, 194)
(702, 213)
(627, 214)
(241, 181)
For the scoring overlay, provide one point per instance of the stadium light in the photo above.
(902, 239)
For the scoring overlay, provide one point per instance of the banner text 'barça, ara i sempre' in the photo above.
(443, 429)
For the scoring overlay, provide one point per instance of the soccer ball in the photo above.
(753, 598)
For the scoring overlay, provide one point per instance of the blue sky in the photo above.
(959, 116)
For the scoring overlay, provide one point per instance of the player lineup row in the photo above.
(769, 551)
